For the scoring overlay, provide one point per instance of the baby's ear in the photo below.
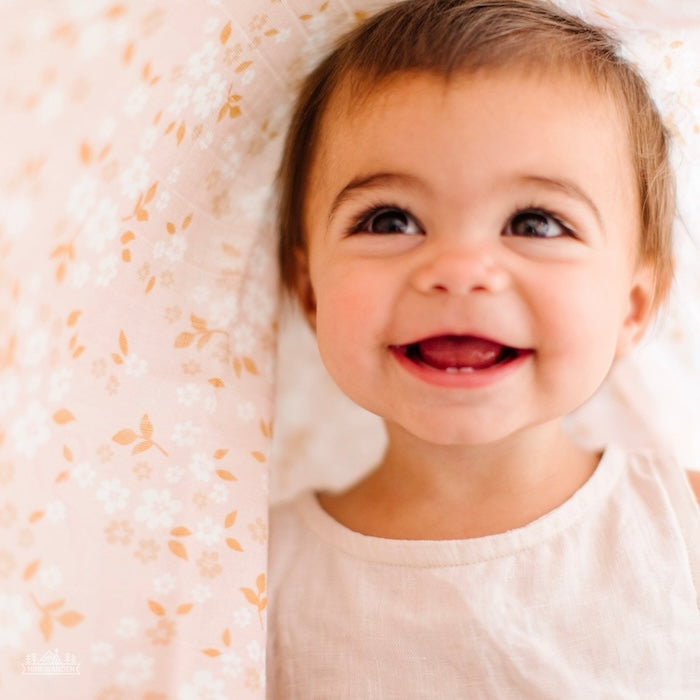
(304, 290)
(640, 310)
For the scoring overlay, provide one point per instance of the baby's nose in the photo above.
(461, 271)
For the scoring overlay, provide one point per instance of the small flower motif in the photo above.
(164, 584)
(106, 270)
(162, 633)
(191, 367)
(101, 652)
(202, 466)
(208, 564)
(59, 383)
(105, 453)
(31, 430)
(219, 493)
(136, 669)
(255, 650)
(203, 685)
(112, 385)
(16, 619)
(258, 531)
(209, 96)
(135, 178)
(101, 226)
(246, 411)
(50, 576)
(142, 470)
(162, 200)
(81, 198)
(185, 434)
(127, 628)
(242, 617)
(113, 495)
(135, 366)
(231, 664)
(119, 532)
(188, 394)
(201, 593)
(56, 511)
(202, 62)
(147, 551)
(208, 531)
(8, 514)
(243, 339)
(173, 314)
(158, 509)
(99, 368)
(200, 499)
(181, 100)
(174, 474)
(136, 101)
(80, 274)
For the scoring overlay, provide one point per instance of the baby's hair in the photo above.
(446, 37)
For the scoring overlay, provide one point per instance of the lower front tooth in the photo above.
(458, 370)
(466, 370)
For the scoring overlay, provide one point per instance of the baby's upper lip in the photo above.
(459, 334)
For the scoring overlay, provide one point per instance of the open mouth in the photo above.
(459, 354)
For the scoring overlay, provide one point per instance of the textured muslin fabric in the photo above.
(596, 599)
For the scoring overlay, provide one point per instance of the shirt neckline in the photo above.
(443, 553)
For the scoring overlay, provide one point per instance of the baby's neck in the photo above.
(421, 491)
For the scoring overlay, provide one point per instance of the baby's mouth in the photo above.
(457, 353)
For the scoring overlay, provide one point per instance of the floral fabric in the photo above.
(138, 325)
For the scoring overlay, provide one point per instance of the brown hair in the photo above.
(448, 36)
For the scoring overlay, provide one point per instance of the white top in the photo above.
(596, 599)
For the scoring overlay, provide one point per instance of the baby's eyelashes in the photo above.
(387, 219)
(536, 223)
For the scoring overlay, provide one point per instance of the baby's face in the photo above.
(472, 251)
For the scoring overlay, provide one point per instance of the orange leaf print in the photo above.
(151, 192)
(225, 33)
(73, 318)
(187, 221)
(126, 255)
(259, 456)
(67, 453)
(211, 652)
(199, 324)
(225, 475)
(220, 454)
(184, 339)
(63, 416)
(251, 596)
(70, 618)
(260, 583)
(170, 227)
(123, 345)
(180, 133)
(234, 544)
(180, 532)
(184, 608)
(226, 637)
(150, 285)
(156, 608)
(250, 365)
(178, 549)
(230, 519)
(127, 237)
(46, 626)
(216, 382)
(146, 427)
(55, 605)
(63, 476)
(243, 66)
(36, 516)
(85, 153)
(141, 447)
(30, 570)
(237, 366)
(117, 359)
(125, 437)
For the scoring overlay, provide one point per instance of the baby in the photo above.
(476, 214)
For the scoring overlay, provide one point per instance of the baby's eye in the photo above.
(387, 220)
(535, 223)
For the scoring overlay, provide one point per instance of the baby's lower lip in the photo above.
(489, 365)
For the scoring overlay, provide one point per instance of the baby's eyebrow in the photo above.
(372, 181)
(571, 189)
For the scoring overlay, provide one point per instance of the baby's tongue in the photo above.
(459, 351)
